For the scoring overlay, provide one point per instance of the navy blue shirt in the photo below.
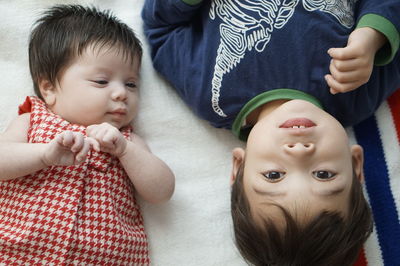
(219, 55)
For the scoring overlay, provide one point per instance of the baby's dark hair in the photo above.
(65, 31)
(327, 239)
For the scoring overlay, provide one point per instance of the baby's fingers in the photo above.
(78, 142)
(81, 155)
(66, 139)
(93, 143)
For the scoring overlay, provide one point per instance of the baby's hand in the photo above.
(68, 148)
(352, 65)
(109, 138)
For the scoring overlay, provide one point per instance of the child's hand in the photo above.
(109, 138)
(68, 148)
(352, 65)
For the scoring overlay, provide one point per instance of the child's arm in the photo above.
(375, 41)
(168, 26)
(20, 158)
(159, 13)
(152, 178)
(352, 65)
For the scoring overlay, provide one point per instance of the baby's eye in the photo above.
(324, 175)
(273, 176)
(131, 84)
(101, 82)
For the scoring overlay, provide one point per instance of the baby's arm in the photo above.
(352, 65)
(21, 158)
(152, 178)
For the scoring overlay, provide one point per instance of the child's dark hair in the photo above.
(65, 31)
(327, 239)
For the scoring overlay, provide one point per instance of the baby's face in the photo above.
(299, 157)
(99, 86)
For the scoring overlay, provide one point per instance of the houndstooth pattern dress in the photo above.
(85, 214)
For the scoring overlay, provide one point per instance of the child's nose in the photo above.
(299, 148)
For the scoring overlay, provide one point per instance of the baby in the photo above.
(73, 163)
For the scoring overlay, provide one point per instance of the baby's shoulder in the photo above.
(17, 130)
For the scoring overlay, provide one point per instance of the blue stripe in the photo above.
(379, 191)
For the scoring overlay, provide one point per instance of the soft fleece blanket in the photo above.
(194, 228)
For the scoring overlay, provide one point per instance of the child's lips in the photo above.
(298, 123)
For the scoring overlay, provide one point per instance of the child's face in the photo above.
(305, 169)
(98, 86)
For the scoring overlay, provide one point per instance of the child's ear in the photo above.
(357, 155)
(48, 91)
(237, 161)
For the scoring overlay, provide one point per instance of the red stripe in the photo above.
(361, 261)
(394, 104)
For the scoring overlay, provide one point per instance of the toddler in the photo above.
(285, 76)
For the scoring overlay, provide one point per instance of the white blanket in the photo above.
(194, 227)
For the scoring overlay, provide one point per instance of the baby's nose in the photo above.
(119, 92)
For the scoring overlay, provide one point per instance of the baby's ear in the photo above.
(357, 155)
(237, 161)
(48, 91)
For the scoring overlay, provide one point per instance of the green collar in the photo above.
(243, 131)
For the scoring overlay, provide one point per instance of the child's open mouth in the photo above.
(298, 123)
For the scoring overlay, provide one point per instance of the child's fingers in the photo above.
(337, 87)
(344, 76)
(345, 53)
(345, 65)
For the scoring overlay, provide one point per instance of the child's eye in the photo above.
(324, 175)
(273, 176)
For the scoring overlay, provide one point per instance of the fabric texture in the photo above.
(83, 214)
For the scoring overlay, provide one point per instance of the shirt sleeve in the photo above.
(171, 27)
(383, 16)
(165, 19)
(160, 13)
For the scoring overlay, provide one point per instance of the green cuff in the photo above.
(192, 2)
(387, 52)
(263, 98)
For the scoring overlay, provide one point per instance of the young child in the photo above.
(286, 76)
(73, 164)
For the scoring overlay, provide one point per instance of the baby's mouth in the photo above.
(298, 123)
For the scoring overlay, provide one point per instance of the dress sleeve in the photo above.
(25, 107)
(383, 16)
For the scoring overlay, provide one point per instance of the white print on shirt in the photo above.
(248, 25)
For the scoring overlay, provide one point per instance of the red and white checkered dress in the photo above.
(84, 214)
